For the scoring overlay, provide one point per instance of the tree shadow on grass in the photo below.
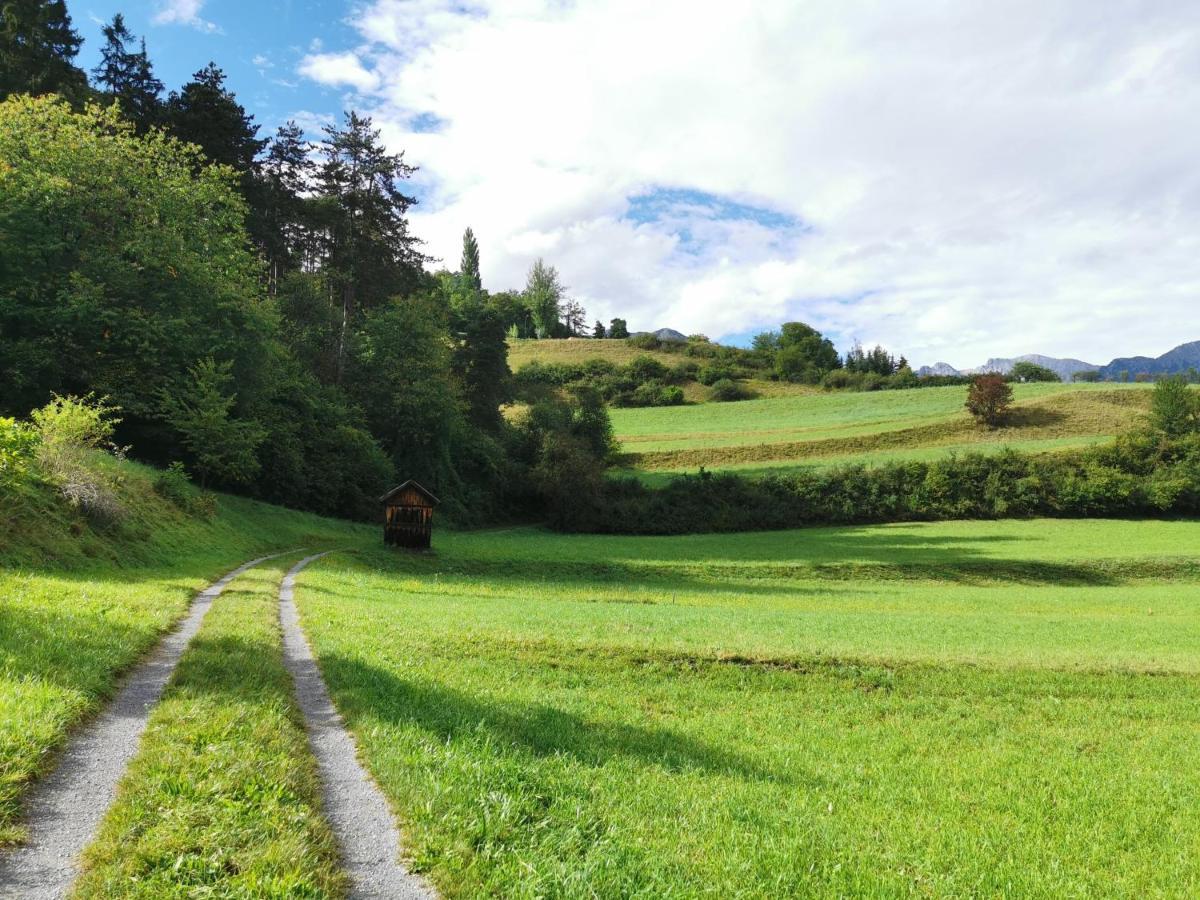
(365, 691)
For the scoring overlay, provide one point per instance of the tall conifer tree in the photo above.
(38, 47)
(128, 76)
(469, 268)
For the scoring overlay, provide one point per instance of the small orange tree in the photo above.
(988, 399)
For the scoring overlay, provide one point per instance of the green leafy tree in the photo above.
(989, 398)
(804, 354)
(469, 267)
(480, 360)
(598, 331)
(38, 47)
(618, 329)
(401, 379)
(369, 255)
(1174, 407)
(124, 261)
(1031, 372)
(200, 409)
(127, 75)
(544, 297)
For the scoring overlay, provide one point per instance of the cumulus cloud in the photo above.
(956, 180)
(183, 12)
(339, 70)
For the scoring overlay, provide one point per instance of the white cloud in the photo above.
(339, 70)
(978, 179)
(183, 12)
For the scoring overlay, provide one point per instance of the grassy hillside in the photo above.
(825, 428)
(79, 604)
(522, 351)
(981, 708)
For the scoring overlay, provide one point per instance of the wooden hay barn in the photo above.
(408, 516)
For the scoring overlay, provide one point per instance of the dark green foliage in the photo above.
(598, 331)
(716, 371)
(726, 390)
(280, 216)
(544, 296)
(643, 382)
(38, 47)
(804, 355)
(200, 410)
(651, 393)
(367, 253)
(645, 341)
(205, 113)
(1174, 407)
(988, 399)
(1027, 371)
(126, 75)
(1136, 476)
(876, 362)
(173, 484)
(481, 361)
(617, 329)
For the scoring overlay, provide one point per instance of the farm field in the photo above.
(829, 428)
(988, 708)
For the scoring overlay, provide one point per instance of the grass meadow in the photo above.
(955, 708)
(774, 433)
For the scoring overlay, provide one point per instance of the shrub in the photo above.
(645, 341)
(71, 432)
(727, 390)
(714, 372)
(174, 485)
(18, 444)
(988, 399)
(651, 393)
(646, 368)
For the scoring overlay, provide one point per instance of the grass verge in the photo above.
(78, 606)
(223, 796)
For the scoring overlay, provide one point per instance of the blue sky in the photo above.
(954, 180)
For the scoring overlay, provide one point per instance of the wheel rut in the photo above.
(64, 809)
(362, 822)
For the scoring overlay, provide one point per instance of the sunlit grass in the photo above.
(223, 797)
(957, 708)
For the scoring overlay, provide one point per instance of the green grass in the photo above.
(223, 798)
(78, 605)
(828, 428)
(523, 351)
(958, 708)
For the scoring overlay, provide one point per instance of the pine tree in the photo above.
(369, 255)
(38, 47)
(128, 76)
(469, 268)
(208, 115)
(282, 217)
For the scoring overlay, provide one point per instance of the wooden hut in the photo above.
(408, 516)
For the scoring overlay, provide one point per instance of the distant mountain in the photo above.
(667, 335)
(1064, 368)
(1182, 358)
(937, 369)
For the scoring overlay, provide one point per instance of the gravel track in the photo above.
(64, 809)
(362, 822)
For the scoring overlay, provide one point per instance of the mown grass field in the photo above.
(957, 708)
(832, 428)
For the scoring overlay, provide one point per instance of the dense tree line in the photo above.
(257, 307)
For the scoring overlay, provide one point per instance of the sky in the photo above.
(954, 179)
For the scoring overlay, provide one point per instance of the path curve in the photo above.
(64, 809)
(362, 821)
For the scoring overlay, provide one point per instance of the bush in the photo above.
(646, 368)
(727, 391)
(18, 445)
(174, 485)
(72, 431)
(714, 372)
(1027, 371)
(644, 342)
(1174, 407)
(652, 393)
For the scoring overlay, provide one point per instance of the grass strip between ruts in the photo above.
(223, 797)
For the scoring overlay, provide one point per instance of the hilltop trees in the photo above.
(544, 296)
(38, 46)
(1174, 407)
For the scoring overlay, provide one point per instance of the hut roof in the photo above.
(423, 491)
